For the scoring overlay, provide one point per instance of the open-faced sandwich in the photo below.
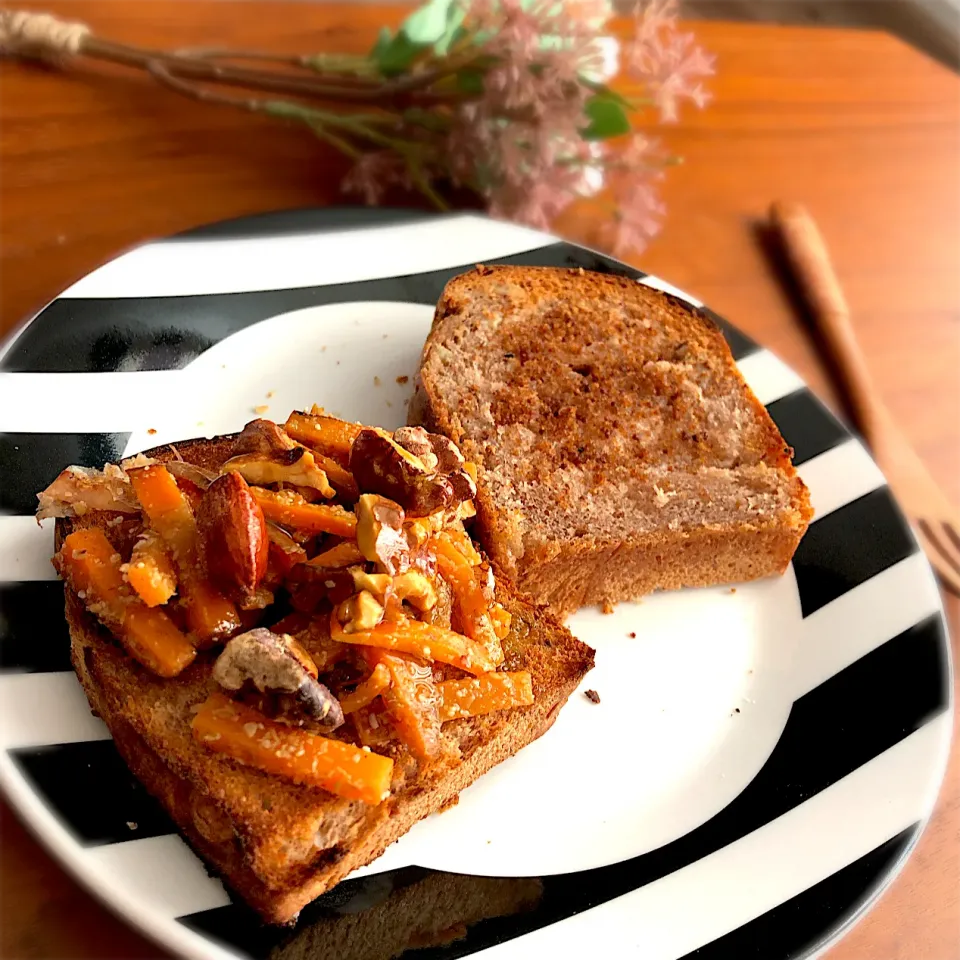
(295, 643)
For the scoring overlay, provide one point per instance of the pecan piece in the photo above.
(278, 667)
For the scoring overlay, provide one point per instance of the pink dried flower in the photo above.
(670, 63)
(373, 173)
(632, 180)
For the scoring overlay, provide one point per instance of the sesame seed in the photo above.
(250, 729)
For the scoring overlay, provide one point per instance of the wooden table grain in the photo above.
(855, 125)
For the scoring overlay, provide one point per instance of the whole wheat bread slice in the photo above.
(620, 450)
(277, 844)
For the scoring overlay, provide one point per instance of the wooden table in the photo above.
(856, 125)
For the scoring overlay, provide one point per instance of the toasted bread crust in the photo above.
(557, 550)
(280, 845)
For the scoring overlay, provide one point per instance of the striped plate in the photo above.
(786, 740)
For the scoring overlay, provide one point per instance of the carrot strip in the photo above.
(342, 555)
(364, 694)
(151, 572)
(289, 509)
(373, 726)
(501, 620)
(411, 701)
(420, 640)
(470, 603)
(91, 566)
(463, 543)
(328, 435)
(210, 615)
(473, 696)
(242, 733)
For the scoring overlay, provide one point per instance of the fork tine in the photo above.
(952, 534)
(949, 576)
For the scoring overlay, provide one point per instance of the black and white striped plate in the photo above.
(761, 761)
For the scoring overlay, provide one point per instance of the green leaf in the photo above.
(428, 23)
(607, 92)
(397, 55)
(383, 41)
(607, 118)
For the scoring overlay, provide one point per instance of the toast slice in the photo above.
(620, 451)
(280, 844)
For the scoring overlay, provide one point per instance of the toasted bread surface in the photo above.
(620, 449)
(278, 844)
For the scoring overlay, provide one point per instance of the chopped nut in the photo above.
(360, 612)
(232, 536)
(277, 459)
(276, 665)
(380, 534)
(446, 455)
(415, 588)
(420, 484)
(375, 583)
(592, 696)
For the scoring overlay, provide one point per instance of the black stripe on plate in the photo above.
(164, 333)
(34, 637)
(281, 223)
(849, 546)
(31, 461)
(831, 731)
(93, 792)
(740, 344)
(807, 425)
(803, 925)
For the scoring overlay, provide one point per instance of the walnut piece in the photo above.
(380, 534)
(360, 612)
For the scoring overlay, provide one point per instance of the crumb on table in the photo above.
(261, 408)
(376, 381)
(632, 634)
(403, 379)
(151, 431)
(733, 589)
(592, 696)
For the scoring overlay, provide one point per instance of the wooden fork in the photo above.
(935, 520)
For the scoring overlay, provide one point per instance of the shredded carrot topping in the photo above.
(366, 692)
(151, 571)
(209, 614)
(246, 735)
(471, 605)
(420, 640)
(411, 700)
(474, 696)
(342, 555)
(289, 509)
(91, 566)
(327, 435)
